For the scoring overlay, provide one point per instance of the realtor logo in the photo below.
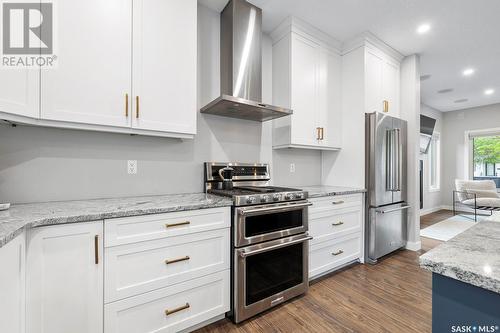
(28, 34)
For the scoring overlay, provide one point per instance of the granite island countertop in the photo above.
(19, 217)
(472, 257)
(318, 191)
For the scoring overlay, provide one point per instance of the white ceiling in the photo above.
(464, 33)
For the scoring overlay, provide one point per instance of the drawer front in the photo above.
(127, 230)
(329, 255)
(133, 269)
(170, 309)
(334, 202)
(334, 224)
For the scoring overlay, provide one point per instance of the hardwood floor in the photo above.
(392, 296)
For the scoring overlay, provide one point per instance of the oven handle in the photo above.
(268, 209)
(274, 247)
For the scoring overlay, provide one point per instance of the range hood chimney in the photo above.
(241, 66)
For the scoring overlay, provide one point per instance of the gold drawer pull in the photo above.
(385, 106)
(170, 225)
(337, 253)
(176, 260)
(338, 202)
(180, 308)
(336, 224)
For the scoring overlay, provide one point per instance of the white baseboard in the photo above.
(413, 246)
(434, 209)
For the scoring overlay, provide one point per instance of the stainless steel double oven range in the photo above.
(270, 245)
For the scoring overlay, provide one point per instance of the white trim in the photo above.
(431, 210)
(369, 39)
(413, 246)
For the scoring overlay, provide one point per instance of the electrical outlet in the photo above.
(132, 167)
(292, 167)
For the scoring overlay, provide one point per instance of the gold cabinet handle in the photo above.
(126, 105)
(318, 135)
(336, 224)
(170, 225)
(322, 131)
(168, 262)
(337, 253)
(137, 106)
(180, 308)
(386, 106)
(96, 249)
(339, 202)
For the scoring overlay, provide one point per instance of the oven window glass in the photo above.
(266, 223)
(274, 271)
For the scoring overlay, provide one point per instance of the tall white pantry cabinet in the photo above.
(122, 66)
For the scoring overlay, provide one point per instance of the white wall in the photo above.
(41, 164)
(410, 111)
(455, 155)
(432, 199)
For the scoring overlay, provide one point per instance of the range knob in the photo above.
(276, 197)
(251, 200)
(265, 198)
(289, 196)
(299, 196)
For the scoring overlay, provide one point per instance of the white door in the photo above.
(65, 279)
(93, 73)
(390, 86)
(19, 92)
(304, 96)
(164, 71)
(373, 83)
(12, 272)
(329, 111)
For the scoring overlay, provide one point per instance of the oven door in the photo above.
(269, 273)
(255, 224)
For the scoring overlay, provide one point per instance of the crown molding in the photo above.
(369, 39)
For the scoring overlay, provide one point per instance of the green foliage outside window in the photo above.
(487, 149)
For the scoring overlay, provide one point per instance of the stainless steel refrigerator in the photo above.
(386, 207)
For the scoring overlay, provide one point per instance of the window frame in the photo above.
(434, 162)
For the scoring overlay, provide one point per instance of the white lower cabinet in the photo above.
(65, 279)
(171, 309)
(336, 225)
(12, 288)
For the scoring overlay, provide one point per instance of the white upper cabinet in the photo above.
(93, 73)
(65, 279)
(307, 79)
(382, 82)
(122, 66)
(19, 92)
(164, 65)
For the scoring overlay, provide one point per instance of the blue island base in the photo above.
(461, 307)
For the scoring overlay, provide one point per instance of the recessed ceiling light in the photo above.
(489, 91)
(423, 28)
(444, 91)
(463, 100)
(468, 71)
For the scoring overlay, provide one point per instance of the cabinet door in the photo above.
(390, 86)
(304, 95)
(19, 92)
(12, 273)
(65, 279)
(329, 111)
(93, 73)
(164, 72)
(373, 81)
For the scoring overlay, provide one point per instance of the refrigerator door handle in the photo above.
(397, 160)
(392, 210)
(389, 160)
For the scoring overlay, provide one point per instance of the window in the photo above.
(435, 163)
(486, 158)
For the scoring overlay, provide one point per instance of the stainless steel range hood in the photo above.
(241, 66)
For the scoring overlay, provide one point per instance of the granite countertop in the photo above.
(317, 191)
(472, 257)
(19, 217)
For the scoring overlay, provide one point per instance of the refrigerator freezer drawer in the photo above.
(386, 230)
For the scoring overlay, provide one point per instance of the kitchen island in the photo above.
(466, 280)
